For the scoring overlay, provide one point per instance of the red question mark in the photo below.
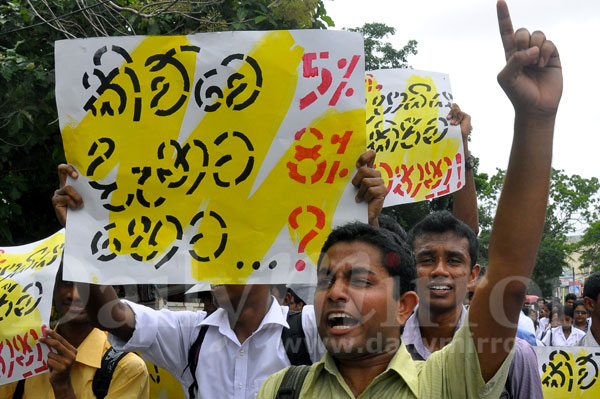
(293, 221)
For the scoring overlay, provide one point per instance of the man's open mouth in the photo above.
(341, 321)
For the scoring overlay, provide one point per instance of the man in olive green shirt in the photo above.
(365, 288)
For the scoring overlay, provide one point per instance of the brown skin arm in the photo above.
(464, 204)
(532, 80)
(60, 361)
(371, 187)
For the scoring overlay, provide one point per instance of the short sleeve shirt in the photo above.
(452, 372)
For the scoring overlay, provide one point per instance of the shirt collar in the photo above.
(276, 315)
(91, 350)
(411, 336)
(402, 364)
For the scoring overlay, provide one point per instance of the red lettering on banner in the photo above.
(427, 175)
(22, 354)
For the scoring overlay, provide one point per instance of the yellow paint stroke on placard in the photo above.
(19, 310)
(19, 302)
(46, 252)
(227, 144)
(566, 377)
(162, 383)
(419, 114)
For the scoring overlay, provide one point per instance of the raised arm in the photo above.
(104, 309)
(464, 201)
(371, 187)
(532, 80)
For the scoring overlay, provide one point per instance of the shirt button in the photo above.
(239, 386)
(242, 351)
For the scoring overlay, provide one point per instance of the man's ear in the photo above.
(473, 278)
(406, 305)
(589, 303)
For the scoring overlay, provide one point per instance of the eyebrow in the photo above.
(430, 252)
(354, 270)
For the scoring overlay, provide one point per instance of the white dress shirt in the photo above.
(556, 337)
(226, 368)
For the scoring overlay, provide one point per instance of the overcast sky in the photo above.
(461, 38)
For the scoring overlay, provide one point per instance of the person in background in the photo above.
(533, 314)
(580, 316)
(543, 320)
(446, 257)
(591, 298)
(564, 334)
(570, 299)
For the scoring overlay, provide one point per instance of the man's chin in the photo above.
(75, 318)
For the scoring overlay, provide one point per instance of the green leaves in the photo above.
(380, 54)
(572, 202)
(30, 142)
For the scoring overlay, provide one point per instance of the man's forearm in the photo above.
(521, 209)
(63, 390)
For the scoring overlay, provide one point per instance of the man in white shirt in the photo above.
(242, 341)
(591, 298)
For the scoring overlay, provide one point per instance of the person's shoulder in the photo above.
(269, 388)
(579, 332)
(131, 365)
(524, 352)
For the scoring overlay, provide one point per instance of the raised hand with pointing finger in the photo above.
(532, 77)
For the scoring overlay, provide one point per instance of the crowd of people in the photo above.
(386, 318)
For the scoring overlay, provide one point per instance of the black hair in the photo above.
(578, 302)
(443, 222)
(558, 309)
(389, 223)
(297, 299)
(570, 296)
(396, 257)
(591, 288)
(568, 310)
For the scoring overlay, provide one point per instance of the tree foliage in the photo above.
(589, 248)
(30, 143)
(572, 203)
(380, 54)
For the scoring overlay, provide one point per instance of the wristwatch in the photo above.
(469, 162)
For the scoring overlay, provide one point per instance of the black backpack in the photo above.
(102, 378)
(293, 339)
(292, 382)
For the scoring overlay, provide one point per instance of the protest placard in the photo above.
(569, 372)
(224, 157)
(162, 383)
(419, 154)
(27, 275)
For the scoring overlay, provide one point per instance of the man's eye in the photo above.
(360, 282)
(323, 282)
(425, 261)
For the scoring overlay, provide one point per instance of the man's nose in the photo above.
(338, 291)
(440, 268)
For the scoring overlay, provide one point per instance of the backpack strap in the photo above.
(20, 389)
(193, 355)
(292, 382)
(294, 340)
(104, 374)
